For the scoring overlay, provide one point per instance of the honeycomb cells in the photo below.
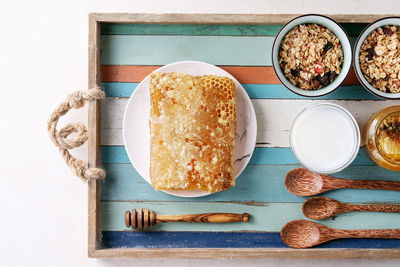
(192, 129)
(226, 108)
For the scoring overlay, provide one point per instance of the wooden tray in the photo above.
(124, 48)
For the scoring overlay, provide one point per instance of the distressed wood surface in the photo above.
(94, 137)
(274, 117)
(261, 155)
(251, 19)
(244, 74)
(260, 184)
(266, 217)
(352, 29)
(257, 91)
(245, 253)
(263, 191)
(217, 50)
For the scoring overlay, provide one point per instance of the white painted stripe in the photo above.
(274, 117)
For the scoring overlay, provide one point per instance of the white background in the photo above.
(43, 57)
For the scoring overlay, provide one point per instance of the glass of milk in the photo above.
(325, 138)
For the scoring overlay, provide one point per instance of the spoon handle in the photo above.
(373, 233)
(379, 208)
(368, 184)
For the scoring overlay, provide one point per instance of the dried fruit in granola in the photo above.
(380, 58)
(310, 56)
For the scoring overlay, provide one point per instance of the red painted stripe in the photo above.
(252, 75)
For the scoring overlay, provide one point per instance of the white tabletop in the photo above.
(43, 58)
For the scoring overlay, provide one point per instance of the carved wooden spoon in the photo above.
(302, 182)
(318, 208)
(305, 234)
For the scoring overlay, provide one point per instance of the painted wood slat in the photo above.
(189, 206)
(189, 29)
(272, 132)
(261, 155)
(244, 74)
(270, 217)
(225, 240)
(162, 50)
(257, 91)
(352, 29)
(257, 183)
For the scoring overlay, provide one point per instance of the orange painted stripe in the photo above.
(251, 75)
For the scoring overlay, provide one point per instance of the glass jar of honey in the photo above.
(382, 138)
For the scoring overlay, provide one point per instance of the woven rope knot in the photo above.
(60, 138)
(81, 135)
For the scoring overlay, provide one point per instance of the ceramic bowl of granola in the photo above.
(311, 55)
(377, 58)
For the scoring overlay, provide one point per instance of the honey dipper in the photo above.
(145, 218)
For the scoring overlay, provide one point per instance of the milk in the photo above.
(325, 138)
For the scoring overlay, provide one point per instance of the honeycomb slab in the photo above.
(192, 132)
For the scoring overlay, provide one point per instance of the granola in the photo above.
(311, 56)
(380, 59)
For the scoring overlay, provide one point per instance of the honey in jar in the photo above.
(382, 136)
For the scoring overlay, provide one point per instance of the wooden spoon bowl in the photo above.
(300, 234)
(310, 183)
(318, 208)
(305, 234)
(302, 182)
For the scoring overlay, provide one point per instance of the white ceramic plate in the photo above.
(136, 131)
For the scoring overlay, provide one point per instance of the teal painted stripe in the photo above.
(113, 154)
(353, 29)
(261, 155)
(269, 218)
(188, 29)
(284, 155)
(271, 91)
(257, 183)
(162, 50)
(116, 89)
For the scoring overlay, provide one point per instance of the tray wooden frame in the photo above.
(94, 234)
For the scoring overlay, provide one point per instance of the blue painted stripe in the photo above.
(224, 240)
(272, 91)
(261, 155)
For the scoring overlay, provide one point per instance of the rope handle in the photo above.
(75, 100)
